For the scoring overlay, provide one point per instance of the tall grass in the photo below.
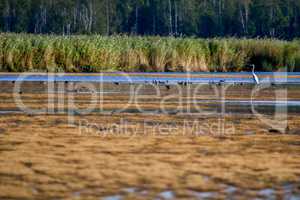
(41, 53)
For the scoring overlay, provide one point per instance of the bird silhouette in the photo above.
(255, 77)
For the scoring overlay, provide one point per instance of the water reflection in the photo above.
(287, 192)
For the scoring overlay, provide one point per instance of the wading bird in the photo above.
(254, 75)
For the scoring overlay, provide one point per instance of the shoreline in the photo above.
(155, 78)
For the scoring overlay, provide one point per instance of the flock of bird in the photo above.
(185, 83)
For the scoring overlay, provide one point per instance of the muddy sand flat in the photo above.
(132, 155)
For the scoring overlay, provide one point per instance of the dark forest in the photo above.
(199, 18)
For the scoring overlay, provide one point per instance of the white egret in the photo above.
(254, 75)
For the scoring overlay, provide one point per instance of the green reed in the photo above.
(95, 53)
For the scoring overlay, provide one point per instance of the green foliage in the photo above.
(209, 18)
(95, 53)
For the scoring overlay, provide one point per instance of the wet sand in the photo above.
(130, 155)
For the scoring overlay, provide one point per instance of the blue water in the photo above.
(140, 79)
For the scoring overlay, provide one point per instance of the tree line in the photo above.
(199, 18)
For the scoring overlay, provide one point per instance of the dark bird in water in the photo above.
(183, 83)
(221, 82)
(155, 82)
(237, 83)
(173, 112)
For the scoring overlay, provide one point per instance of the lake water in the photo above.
(163, 78)
(123, 86)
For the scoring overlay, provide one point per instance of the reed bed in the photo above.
(95, 53)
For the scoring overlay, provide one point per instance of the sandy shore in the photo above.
(131, 155)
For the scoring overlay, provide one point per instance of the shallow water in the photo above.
(228, 192)
(162, 78)
(145, 99)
